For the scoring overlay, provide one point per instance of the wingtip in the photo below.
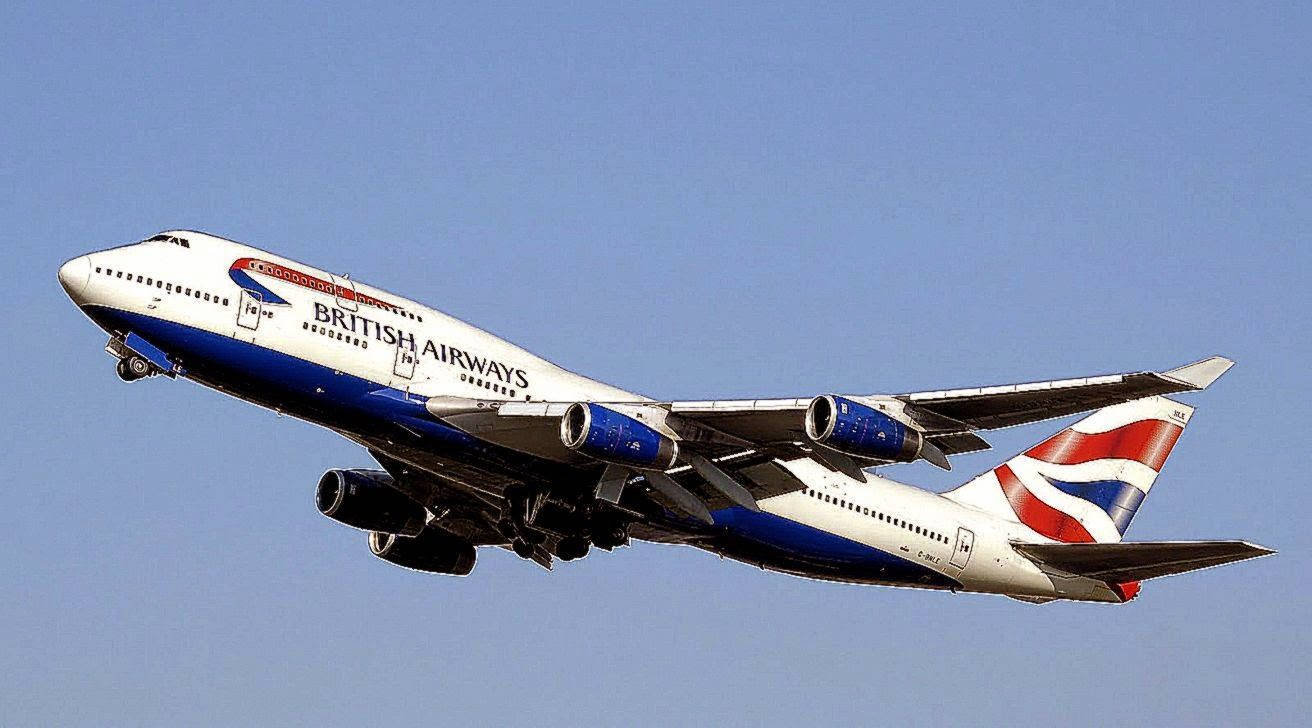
(1259, 550)
(1201, 374)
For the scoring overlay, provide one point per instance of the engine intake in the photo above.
(367, 500)
(859, 430)
(603, 434)
(433, 550)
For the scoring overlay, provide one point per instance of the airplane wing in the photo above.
(730, 450)
(948, 418)
(1118, 563)
(956, 411)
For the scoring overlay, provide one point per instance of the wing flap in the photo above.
(1136, 561)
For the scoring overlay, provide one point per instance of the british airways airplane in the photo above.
(481, 443)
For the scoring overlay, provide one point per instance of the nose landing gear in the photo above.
(132, 367)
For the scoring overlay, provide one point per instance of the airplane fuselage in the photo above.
(363, 362)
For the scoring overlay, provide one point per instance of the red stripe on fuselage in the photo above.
(295, 277)
(1038, 515)
(1147, 441)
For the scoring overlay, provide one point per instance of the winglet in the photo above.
(1201, 374)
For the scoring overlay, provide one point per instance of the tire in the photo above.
(522, 549)
(610, 537)
(138, 367)
(570, 549)
(121, 368)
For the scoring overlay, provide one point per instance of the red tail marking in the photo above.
(1147, 441)
(1038, 515)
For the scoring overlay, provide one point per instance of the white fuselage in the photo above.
(367, 336)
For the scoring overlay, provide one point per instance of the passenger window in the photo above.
(207, 296)
(225, 302)
(150, 282)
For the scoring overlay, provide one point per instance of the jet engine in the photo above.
(859, 430)
(433, 550)
(367, 500)
(603, 434)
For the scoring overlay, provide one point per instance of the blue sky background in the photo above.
(728, 202)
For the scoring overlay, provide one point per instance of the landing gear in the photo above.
(609, 535)
(522, 506)
(574, 547)
(131, 368)
(522, 548)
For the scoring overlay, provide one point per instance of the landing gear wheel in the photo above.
(132, 368)
(572, 548)
(522, 549)
(138, 366)
(610, 537)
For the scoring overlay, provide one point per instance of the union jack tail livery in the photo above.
(1084, 484)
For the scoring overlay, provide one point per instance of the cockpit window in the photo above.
(168, 239)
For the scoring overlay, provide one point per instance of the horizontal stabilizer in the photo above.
(1125, 562)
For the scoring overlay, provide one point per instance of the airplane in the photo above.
(482, 444)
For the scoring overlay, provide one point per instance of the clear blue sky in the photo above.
(687, 202)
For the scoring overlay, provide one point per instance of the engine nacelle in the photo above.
(603, 434)
(860, 430)
(365, 499)
(433, 550)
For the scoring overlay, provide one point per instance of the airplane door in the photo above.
(249, 307)
(404, 367)
(965, 544)
(344, 290)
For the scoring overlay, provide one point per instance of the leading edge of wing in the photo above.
(1190, 377)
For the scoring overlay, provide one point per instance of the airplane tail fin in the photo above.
(1084, 484)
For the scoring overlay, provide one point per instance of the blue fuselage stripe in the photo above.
(353, 404)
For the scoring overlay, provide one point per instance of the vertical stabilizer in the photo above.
(1084, 484)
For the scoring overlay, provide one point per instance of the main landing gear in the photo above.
(530, 517)
(132, 367)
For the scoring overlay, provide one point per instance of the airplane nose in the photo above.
(74, 275)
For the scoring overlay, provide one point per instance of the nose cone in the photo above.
(74, 275)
